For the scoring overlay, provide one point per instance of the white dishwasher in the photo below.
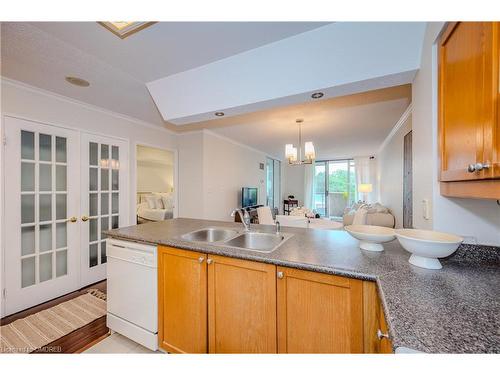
(132, 302)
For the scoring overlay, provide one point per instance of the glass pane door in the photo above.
(270, 182)
(320, 188)
(103, 201)
(334, 187)
(41, 235)
(341, 187)
(277, 183)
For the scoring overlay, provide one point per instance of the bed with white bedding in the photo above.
(154, 206)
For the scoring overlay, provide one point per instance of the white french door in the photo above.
(41, 210)
(62, 189)
(103, 199)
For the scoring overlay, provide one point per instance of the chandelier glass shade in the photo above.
(294, 155)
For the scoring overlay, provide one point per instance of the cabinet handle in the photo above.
(381, 335)
(209, 261)
(201, 259)
(477, 167)
(280, 275)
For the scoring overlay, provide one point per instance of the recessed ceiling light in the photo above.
(317, 95)
(123, 29)
(219, 114)
(77, 81)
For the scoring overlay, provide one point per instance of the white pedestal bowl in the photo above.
(371, 237)
(426, 246)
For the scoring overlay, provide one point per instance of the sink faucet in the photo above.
(244, 216)
(278, 228)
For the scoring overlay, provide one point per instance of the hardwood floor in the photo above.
(75, 341)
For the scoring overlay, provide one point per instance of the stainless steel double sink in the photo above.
(254, 241)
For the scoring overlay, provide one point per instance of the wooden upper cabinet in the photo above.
(241, 306)
(319, 313)
(182, 302)
(469, 130)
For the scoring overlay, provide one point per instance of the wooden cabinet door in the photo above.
(385, 342)
(182, 300)
(374, 321)
(241, 306)
(468, 92)
(319, 313)
(371, 317)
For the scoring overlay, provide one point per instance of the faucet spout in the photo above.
(244, 216)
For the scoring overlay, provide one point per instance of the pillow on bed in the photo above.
(168, 202)
(151, 200)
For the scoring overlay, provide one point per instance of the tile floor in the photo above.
(118, 344)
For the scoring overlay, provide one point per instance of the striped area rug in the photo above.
(37, 330)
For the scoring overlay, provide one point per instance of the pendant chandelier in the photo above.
(291, 151)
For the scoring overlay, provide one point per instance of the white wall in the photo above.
(390, 173)
(478, 220)
(154, 177)
(42, 106)
(155, 169)
(293, 182)
(228, 168)
(213, 169)
(191, 164)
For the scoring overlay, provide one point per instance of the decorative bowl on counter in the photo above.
(371, 237)
(427, 245)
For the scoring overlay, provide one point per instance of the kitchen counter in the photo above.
(452, 310)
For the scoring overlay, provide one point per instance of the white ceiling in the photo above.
(338, 59)
(166, 48)
(42, 54)
(344, 127)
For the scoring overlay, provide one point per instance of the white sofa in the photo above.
(376, 215)
(304, 222)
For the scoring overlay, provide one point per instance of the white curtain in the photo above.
(366, 173)
(309, 186)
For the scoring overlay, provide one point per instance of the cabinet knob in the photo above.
(209, 261)
(477, 167)
(85, 218)
(381, 335)
(201, 259)
(73, 219)
(280, 275)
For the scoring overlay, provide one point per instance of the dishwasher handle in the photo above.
(131, 255)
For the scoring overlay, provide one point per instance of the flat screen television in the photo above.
(248, 197)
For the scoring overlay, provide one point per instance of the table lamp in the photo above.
(365, 189)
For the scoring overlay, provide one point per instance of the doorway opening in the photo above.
(155, 184)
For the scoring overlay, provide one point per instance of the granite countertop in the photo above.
(452, 310)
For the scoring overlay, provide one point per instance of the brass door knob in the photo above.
(85, 218)
(73, 219)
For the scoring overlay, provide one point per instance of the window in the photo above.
(334, 187)
(273, 183)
